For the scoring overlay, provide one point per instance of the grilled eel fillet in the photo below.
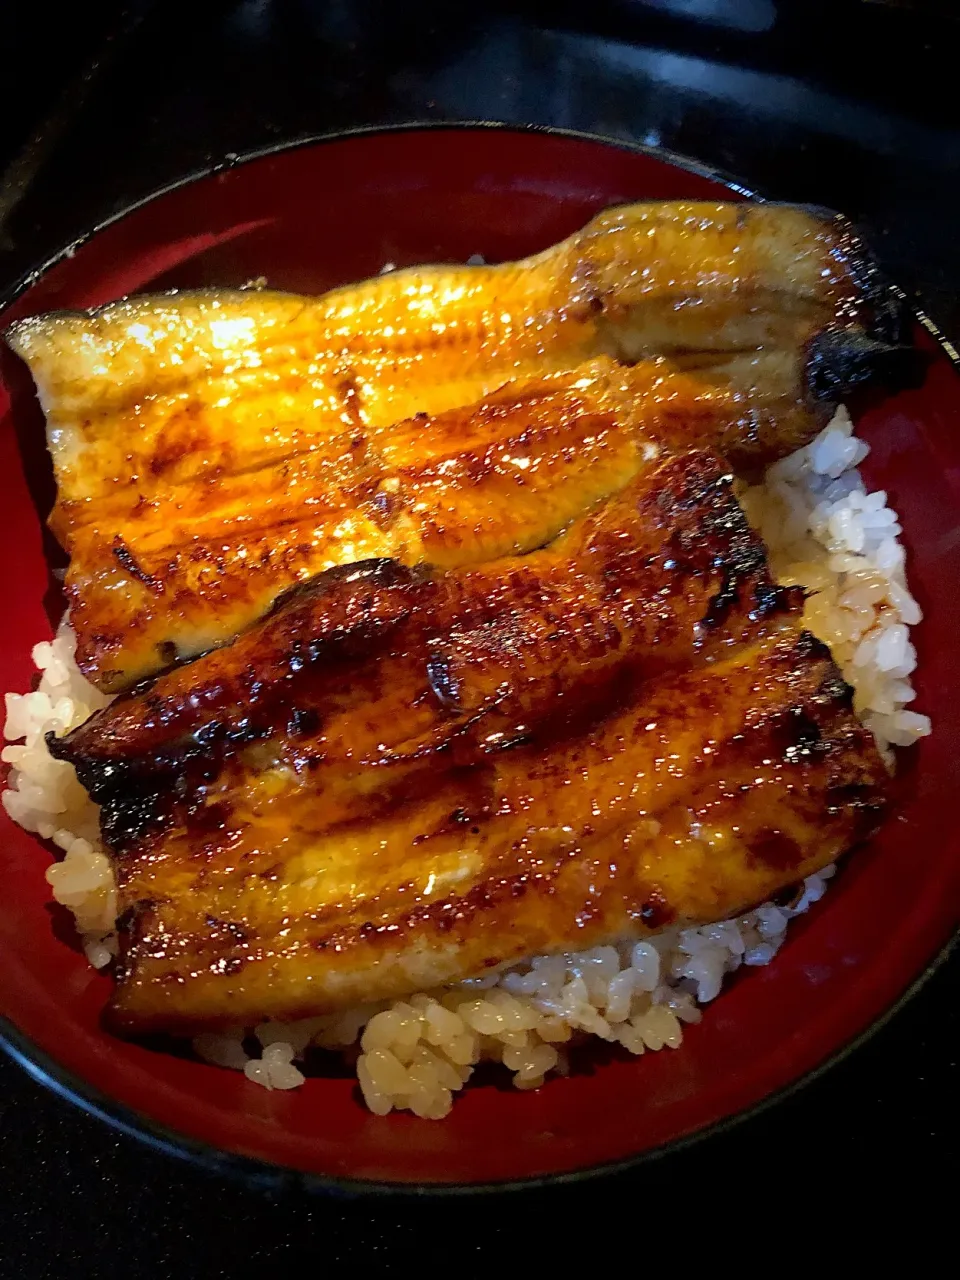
(403, 777)
(151, 390)
(171, 579)
(212, 448)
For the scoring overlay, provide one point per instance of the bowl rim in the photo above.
(267, 1175)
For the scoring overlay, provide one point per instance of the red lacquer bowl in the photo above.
(312, 216)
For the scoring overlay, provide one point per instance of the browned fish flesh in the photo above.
(150, 390)
(179, 574)
(212, 448)
(403, 777)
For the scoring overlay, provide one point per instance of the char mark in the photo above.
(797, 735)
(373, 573)
(771, 600)
(141, 794)
(838, 361)
(888, 317)
(722, 600)
(443, 683)
(127, 561)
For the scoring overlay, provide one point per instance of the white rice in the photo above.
(43, 794)
(824, 531)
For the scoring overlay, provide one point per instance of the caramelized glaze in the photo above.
(492, 664)
(402, 777)
(211, 449)
(180, 575)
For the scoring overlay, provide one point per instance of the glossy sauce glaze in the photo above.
(402, 777)
(211, 449)
(461, 487)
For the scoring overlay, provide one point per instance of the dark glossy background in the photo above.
(848, 104)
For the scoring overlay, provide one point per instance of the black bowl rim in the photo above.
(264, 1174)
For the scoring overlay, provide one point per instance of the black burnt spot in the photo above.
(701, 488)
(128, 562)
(796, 735)
(744, 561)
(839, 360)
(443, 683)
(303, 721)
(167, 653)
(194, 768)
(773, 848)
(125, 821)
(770, 600)
(656, 912)
(723, 600)
(129, 920)
(205, 819)
(132, 803)
(808, 647)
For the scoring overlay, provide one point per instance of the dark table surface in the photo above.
(850, 104)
